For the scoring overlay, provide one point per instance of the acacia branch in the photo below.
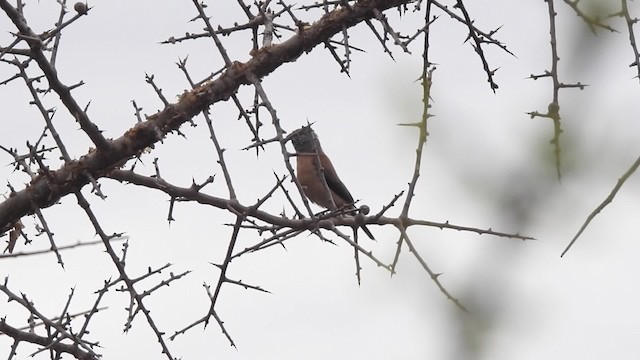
(36, 45)
(48, 342)
(44, 191)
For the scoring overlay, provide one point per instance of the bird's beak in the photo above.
(291, 135)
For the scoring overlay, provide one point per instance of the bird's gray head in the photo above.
(304, 140)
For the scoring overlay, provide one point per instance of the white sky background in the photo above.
(486, 164)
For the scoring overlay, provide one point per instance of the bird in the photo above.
(311, 164)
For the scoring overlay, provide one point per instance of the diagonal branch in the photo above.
(43, 191)
(604, 204)
(33, 338)
(36, 46)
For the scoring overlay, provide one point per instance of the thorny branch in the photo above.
(624, 13)
(268, 23)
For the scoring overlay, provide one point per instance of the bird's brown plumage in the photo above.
(311, 164)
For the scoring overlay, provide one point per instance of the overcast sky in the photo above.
(486, 164)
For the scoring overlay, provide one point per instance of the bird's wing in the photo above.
(333, 181)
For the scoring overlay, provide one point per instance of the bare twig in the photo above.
(604, 204)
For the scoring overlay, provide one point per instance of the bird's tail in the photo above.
(366, 231)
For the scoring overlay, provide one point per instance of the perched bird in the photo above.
(311, 164)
